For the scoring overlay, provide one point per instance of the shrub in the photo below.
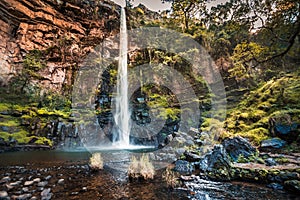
(170, 177)
(142, 168)
(96, 162)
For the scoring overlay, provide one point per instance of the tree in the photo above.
(185, 11)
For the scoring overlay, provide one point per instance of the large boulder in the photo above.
(216, 164)
(237, 146)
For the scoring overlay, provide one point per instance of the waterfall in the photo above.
(122, 114)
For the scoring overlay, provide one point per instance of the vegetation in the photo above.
(142, 168)
(96, 162)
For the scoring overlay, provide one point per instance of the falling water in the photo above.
(122, 114)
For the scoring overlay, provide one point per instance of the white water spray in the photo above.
(122, 114)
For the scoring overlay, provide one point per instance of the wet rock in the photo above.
(33, 198)
(5, 179)
(61, 181)
(46, 194)
(275, 186)
(192, 157)
(184, 166)
(42, 184)
(3, 195)
(238, 146)
(292, 185)
(48, 177)
(22, 197)
(28, 183)
(37, 180)
(13, 184)
(25, 189)
(270, 162)
(273, 143)
(216, 164)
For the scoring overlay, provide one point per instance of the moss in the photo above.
(5, 107)
(256, 135)
(21, 137)
(10, 123)
(43, 141)
(4, 135)
(278, 99)
(282, 160)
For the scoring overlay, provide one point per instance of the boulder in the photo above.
(238, 146)
(216, 164)
(292, 185)
(273, 143)
(184, 166)
(270, 162)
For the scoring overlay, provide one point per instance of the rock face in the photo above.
(216, 164)
(238, 146)
(62, 31)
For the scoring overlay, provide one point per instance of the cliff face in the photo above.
(62, 31)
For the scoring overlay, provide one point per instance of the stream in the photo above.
(70, 178)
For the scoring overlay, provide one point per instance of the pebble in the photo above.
(61, 181)
(28, 183)
(37, 180)
(22, 197)
(25, 189)
(5, 179)
(48, 177)
(42, 184)
(46, 195)
(15, 183)
(3, 194)
(33, 198)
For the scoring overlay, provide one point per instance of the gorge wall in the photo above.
(63, 31)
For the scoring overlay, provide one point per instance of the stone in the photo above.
(25, 189)
(292, 185)
(5, 179)
(61, 181)
(216, 164)
(22, 197)
(46, 194)
(192, 157)
(48, 177)
(237, 146)
(275, 186)
(42, 184)
(37, 180)
(28, 183)
(270, 162)
(3, 195)
(273, 143)
(13, 184)
(184, 166)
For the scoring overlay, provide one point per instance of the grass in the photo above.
(142, 168)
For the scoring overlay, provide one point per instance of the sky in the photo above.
(154, 5)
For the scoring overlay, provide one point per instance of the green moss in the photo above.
(43, 141)
(256, 135)
(21, 137)
(10, 123)
(278, 99)
(5, 135)
(5, 107)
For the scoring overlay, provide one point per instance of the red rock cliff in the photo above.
(65, 31)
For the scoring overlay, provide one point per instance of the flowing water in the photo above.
(112, 184)
(122, 113)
